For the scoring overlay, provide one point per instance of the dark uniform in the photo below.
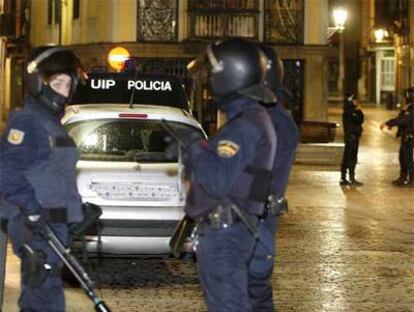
(38, 183)
(352, 119)
(261, 265)
(405, 124)
(230, 174)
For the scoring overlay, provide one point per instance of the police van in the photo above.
(115, 120)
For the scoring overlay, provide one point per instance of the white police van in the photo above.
(115, 119)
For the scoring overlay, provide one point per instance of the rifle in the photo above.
(181, 233)
(186, 225)
(3, 255)
(75, 267)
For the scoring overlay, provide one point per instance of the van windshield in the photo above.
(126, 139)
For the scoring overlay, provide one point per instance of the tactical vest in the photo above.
(251, 188)
(54, 178)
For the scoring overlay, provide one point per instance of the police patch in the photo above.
(15, 137)
(227, 149)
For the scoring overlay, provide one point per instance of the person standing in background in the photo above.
(352, 119)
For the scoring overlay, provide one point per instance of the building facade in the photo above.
(387, 51)
(164, 35)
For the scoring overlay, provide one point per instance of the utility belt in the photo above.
(275, 206)
(51, 215)
(225, 216)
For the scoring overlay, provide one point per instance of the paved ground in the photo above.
(340, 249)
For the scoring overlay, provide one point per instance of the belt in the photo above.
(55, 215)
(275, 205)
(223, 217)
(219, 217)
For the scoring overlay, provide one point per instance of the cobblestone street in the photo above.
(339, 248)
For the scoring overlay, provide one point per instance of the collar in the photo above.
(237, 106)
(31, 103)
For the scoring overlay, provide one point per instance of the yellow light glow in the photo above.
(117, 57)
(340, 16)
(379, 34)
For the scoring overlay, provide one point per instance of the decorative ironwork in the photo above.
(157, 20)
(194, 5)
(223, 18)
(284, 21)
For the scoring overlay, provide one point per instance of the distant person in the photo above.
(404, 122)
(352, 119)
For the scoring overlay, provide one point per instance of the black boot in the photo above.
(343, 180)
(353, 181)
(401, 181)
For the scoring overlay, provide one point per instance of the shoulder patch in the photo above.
(227, 148)
(15, 136)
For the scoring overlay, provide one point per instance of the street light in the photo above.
(340, 15)
(380, 34)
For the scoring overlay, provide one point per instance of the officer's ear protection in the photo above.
(33, 79)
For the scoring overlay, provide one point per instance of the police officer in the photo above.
(261, 265)
(352, 118)
(230, 174)
(38, 182)
(404, 122)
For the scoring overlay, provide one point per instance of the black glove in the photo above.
(35, 223)
(186, 137)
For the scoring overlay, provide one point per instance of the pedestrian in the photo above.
(38, 176)
(405, 123)
(261, 265)
(352, 119)
(230, 174)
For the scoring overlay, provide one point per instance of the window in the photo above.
(387, 74)
(76, 9)
(223, 18)
(157, 20)
(54, 11)
(125, 140)
(284, 21)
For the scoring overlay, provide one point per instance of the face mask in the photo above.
(53, 100)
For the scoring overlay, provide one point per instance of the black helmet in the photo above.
(237, 67)
(275, 71)
(409, 94)
(43, 63)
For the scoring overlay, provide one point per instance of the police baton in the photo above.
(3, 255)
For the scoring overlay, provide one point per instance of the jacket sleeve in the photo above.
(400, 120)
(217, 164)
(19, 149)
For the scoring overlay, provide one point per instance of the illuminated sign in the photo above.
(147, 85)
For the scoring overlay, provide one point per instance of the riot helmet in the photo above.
(275, 71)
(409, 95)
(44, 63)
(237, 68)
